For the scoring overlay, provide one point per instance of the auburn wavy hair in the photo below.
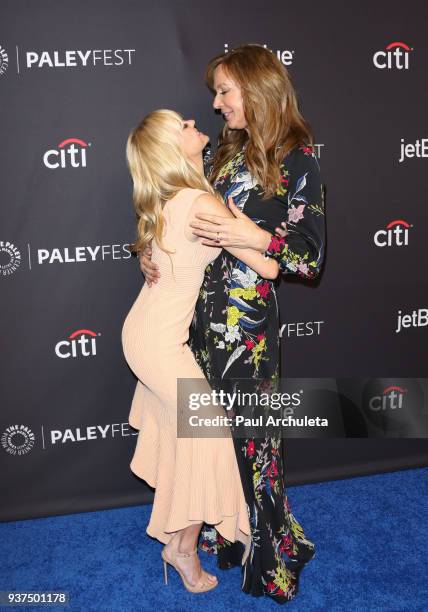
(274, 122)
(159, 170)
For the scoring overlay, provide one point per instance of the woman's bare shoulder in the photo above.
(206, 202)
(187, 196)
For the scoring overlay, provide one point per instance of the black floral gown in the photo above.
(235, 334)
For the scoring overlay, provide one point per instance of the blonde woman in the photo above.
(164, 155)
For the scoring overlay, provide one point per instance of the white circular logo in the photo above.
(17, 440)
(4, 60)
(10, 258)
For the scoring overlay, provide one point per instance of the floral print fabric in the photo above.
(302, 250)
(234, 335)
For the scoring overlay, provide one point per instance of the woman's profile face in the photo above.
(228, 99)
(192, 141)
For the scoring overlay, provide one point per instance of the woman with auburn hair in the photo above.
(265, 162)
(164, 155)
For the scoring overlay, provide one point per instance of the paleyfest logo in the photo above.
(4, 60)
(70, 152)
(395, 55)
(395, 234)
(301, 328)
(284, 56)
(11, 259)
(76, 58)
(82, 254)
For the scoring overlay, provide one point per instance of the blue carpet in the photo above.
(371, 535)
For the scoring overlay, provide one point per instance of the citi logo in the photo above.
(4, 60)
(70, 152)
(391, 398)
(81, 343)
(395, 55)
(395, 234)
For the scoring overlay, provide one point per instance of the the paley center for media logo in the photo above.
(4, 60)
(10, 258)
(17, 439)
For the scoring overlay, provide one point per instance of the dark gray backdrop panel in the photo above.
(359, 114)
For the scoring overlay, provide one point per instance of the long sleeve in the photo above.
(301, 252)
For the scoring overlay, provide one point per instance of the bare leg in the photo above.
(185, 541)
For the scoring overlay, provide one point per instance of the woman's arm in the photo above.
(237, 230)
(147, 267)
(300, 203)
(266, 267)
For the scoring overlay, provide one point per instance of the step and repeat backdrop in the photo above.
(74, 79)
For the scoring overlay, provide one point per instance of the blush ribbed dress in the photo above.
(196, 479)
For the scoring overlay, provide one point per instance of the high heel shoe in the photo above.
(199, 587)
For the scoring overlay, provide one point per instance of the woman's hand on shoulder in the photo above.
(215, 213)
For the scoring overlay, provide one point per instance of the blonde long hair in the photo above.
(275, 124)
(159, 170)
